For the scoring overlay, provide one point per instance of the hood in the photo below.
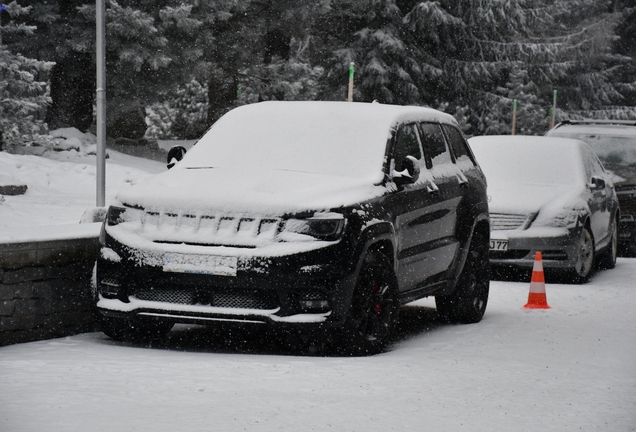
(622, 175)
(269, 192)
(528, 198)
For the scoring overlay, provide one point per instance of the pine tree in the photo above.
(23, 90)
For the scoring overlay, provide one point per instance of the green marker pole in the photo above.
(553, 110)
(351, 69)
(514, 117)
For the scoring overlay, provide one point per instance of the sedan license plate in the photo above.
(200, 264)
(498, 245)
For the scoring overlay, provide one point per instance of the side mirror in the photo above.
(409, 174)
(597, 183)
(175, 154)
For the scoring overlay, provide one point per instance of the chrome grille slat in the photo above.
(503, 221)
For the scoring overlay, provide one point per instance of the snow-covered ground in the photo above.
(569, 368)
(572, 367)
(61, 184)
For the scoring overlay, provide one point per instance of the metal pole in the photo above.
(350, 97)
(101, 102)
(553, 110)
(514, 117)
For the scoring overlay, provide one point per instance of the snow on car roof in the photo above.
(333, 138)
(593, 129)
(282, 157)
(529, 159)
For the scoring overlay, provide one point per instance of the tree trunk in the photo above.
(72, 93)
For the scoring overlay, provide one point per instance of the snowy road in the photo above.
(572, 367)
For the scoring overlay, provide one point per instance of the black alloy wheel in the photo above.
(374, 308)
(467, 304)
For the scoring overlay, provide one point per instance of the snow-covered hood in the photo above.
(266, 192)
(523, 199)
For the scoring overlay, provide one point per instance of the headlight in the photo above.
(117, 215)
(323, 226)
(564, 219)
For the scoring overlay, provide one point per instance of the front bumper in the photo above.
(559, 247)
(312, 288)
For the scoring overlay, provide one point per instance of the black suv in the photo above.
(614, 142)
(320, 216)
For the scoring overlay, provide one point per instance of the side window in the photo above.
(406, 144)
(434, 144)
(457, 144)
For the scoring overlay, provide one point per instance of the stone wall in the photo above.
(45, 285)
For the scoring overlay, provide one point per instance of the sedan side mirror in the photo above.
(597, 183)
(175, 154)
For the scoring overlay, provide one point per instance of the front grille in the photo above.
(502, 221)
(166, 295)
(234, 299)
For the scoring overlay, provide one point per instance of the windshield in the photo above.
(509, 160)
(611, 149)
(321, 138)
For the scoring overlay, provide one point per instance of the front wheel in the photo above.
(584, 257)
(374, 307)
(467, 304)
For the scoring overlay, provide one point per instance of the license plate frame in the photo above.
(498, 245)
(213, 265)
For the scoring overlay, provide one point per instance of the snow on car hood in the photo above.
(524, 199)
(266, 192)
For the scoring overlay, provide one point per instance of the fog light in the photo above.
(314, 305)
(109, 287)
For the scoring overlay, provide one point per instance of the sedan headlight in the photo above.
(323, 226)
(564, 219)
(117, 215)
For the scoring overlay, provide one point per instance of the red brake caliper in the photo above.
(377, 308)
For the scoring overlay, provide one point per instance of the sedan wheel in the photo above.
(585, 257)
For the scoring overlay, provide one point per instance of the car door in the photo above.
(411, 205)
(442, 215)
(602, 193)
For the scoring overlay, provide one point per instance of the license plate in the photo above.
(498, 245)
(200, 264)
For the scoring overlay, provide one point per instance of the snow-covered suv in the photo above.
(321, 216)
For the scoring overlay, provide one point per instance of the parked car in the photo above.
(550, 195)
(322, 217)
(614, 142)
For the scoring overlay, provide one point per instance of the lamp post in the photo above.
(101, 102)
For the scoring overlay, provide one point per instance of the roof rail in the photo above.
(599, 122)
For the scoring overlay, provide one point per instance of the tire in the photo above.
(373, 314)
(585, 257)
(608, 259)
(134, 330)
(467, 304)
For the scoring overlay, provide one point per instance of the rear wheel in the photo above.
(467, 304)
(374, 307)
(608, 259)
(135, 330)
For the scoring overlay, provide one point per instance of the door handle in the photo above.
(432, 188)
(463, 181)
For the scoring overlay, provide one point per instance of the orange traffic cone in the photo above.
(537, 298)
